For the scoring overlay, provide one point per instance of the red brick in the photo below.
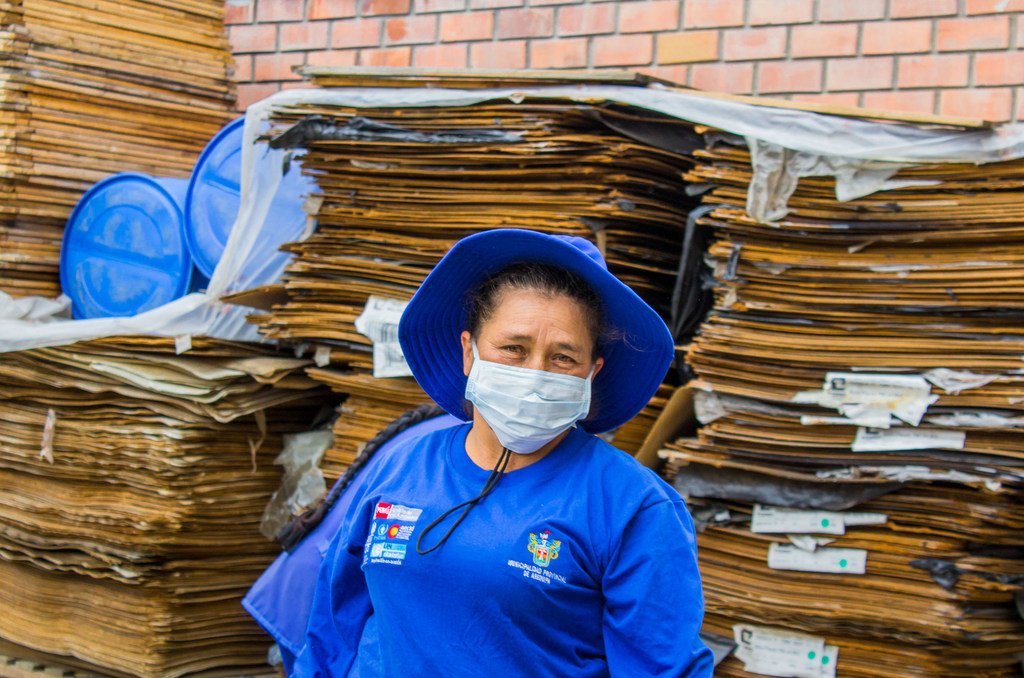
(1020, 32)
(823, 40)
(735, 78)
(687, 47)
(356, 33)
(238, 12)
(277, 66)
(507, 54)
(1020, 106)
(911, 101)
(378, 7)
(279, 10)
(538, 3)
(250, 93)
(828, 98)
(301, 84)
(305, 35)
(560, 53)
(243, 68)
(908, 9)
(750, 44)
(253, 38)
(943, 70)
(525, 23)
(586, 20)
(494, 4)
(850, 10)
(623, 50)
(678, 75)
(465, 27)
(994, 6)
(386, 56)
(897, 37)
(334, 57)
(413, 30)
(440, 56)
(859, 73)
(789, 76)
(424, 6)
(992, 104)
(712, 13)
(988, 32)
(776, 12)
(331, 9)
(640, 17)
(999, 68)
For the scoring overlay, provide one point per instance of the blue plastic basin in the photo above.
(213, 201)
(124, 249)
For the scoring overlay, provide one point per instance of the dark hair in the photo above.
(537, 277)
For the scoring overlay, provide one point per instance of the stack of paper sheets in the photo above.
(863, 364)
(134, 482)
(91, 89)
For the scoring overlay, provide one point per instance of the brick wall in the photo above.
(956, 57)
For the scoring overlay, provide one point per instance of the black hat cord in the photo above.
(492, 480)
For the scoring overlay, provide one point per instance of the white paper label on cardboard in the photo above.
(895, 439)
(954, 381)
(777, 520)
(379, 322)
(778, 652)
(862, 394)
(707, 406)
(975, 419)
(322, 356)
(858, 518)
(830, 560)
(905, 474)
(806, 542)
(182, 343)
(873, 419)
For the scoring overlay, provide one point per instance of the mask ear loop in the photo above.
(492, 480)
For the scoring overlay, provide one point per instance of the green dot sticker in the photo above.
(811, 655)
(842, 563)
(824, 659)
(824, 522)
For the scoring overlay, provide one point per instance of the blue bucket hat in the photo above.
(636, 357)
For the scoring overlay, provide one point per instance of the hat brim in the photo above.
(636, 357)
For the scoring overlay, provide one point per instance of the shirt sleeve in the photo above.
(654, 603)
(341, 603)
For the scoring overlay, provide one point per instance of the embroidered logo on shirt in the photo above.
(545, 549)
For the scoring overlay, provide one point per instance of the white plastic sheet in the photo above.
(787, 144)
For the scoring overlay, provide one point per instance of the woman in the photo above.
(519, 543)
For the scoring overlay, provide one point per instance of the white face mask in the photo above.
(526, 408)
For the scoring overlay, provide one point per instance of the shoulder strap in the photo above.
(296, 529)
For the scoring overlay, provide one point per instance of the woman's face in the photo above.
(538, 331)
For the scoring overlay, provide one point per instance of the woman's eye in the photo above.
(512, 349)
(564, 359)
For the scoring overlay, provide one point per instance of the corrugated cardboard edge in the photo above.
(676, 420)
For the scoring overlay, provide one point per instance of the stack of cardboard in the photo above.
(91, 89)
(400, 186)
(134, 481)
(862, 367)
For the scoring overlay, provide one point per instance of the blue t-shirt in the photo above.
(581, 564)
